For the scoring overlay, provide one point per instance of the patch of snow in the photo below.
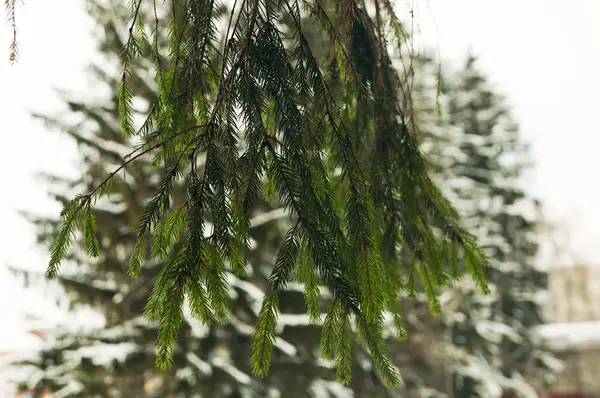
(298, 287)
(185, 374)
(118, 298)
(255, 295)
(111, 205)
(286, 347)
(570, 336)
(339, 390)
(284, 320)
(71, 389)
(15, 339)
(254, 292)
(554, 364)
(328, 389)
(325, 363)
(237, 374)
(104, 284)
(241, 327)
(199, 329)
(517, 384)
(493, 382)
(201, 365)
(480, 370)
(128, 328)
(15, 375)
(102, 354)
(264, 218)
(389, 330)
(493, 331)
(295, 287)
(85, 318)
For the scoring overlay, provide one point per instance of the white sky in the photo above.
(543, 54)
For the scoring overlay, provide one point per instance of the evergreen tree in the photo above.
(478, 157)
(118, 360)
(335, 147)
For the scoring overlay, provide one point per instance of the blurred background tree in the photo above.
(477, 157)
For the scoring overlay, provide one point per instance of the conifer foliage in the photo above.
(117, 358)
(248, 110)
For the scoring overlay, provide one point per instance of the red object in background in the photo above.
(558, 395)
(38, 333)
(30, 394)
(568, 395)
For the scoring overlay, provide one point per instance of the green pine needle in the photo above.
(89, 232)
(343, 359)
(138, 256)
(319, 128)
(262, 346)
(330, 331)
(67, 229)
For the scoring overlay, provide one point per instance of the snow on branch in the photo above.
(570, 336)
(104, 354)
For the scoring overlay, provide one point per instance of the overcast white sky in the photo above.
(543, 54)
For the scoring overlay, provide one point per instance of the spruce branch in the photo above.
(72, 211)
(133, 156)
(274, 115)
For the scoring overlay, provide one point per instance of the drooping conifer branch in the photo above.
(262, 111)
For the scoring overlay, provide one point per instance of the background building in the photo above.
(574, 332)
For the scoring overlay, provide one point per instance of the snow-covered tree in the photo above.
(478, 157)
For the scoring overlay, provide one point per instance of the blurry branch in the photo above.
(10, 9)
(452, 300)
(265, 218)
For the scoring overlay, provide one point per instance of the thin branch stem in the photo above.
(142, 153)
